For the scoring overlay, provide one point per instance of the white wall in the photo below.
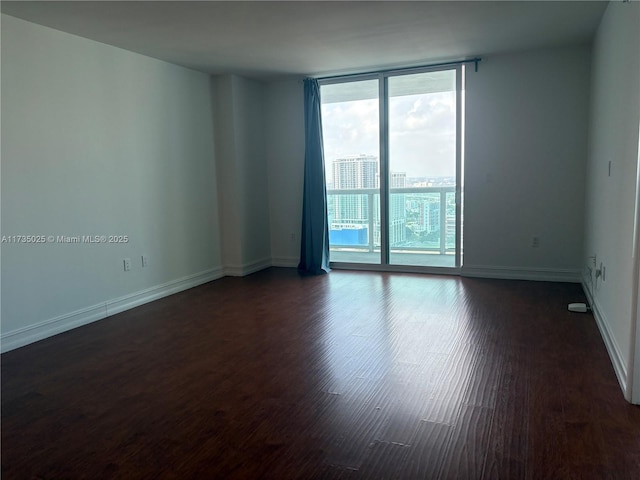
(243, 181)
(526, 138)
(613, 136)
(228, 182)
(97, 140)
(285, 158)
(525, 165)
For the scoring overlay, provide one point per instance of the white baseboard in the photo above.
(246, 268)
(290, 262)
(62, 323)
(53, 326)
(617, 360)
(522, 273)
(133, 300)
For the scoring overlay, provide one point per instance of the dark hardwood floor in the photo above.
(350, 375)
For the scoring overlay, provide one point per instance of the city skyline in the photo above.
(421, 132)
(421, 129)
(333, 180)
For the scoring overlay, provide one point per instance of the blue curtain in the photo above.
(314, 249)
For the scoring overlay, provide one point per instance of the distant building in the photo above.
(355, 172)
(397, 209)
(429, 216)
(355, 214)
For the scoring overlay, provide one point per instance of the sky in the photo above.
(421, 132)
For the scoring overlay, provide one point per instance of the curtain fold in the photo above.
(314, 248)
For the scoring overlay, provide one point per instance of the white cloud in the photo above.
(421, 132)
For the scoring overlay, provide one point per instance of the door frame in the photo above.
(383, 155)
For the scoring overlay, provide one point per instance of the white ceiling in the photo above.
(267, 40)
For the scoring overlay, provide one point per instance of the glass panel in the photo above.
(350, 123)
(422, 169)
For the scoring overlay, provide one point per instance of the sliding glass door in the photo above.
(351, 132)
(392, 153)
(422, 168)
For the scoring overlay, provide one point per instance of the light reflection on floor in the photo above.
(391, 352)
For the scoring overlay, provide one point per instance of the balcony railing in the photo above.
(421, 220)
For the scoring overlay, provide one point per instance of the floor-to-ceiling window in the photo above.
(351, 132)
(393, 156)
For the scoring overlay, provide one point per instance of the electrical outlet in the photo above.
(127, 264)
(145, 261)
(535, 242)
(292, 237)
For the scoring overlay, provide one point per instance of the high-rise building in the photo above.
(356, 213)
(354, 172)
(429, 215)
(397, 209)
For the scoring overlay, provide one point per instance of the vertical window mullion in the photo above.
(459, 154)
(384, 169)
